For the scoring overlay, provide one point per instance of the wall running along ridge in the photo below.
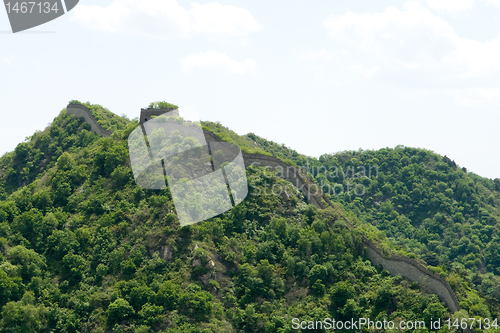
(80, 110)
(413, 270)
(394, 264)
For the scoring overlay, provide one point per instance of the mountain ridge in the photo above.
(405, 266)
(88, 222)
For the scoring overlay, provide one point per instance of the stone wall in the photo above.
(80, 110)
(146, 114)
(413, 270)
(396, 265)
(293, 174)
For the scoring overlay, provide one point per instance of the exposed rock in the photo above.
(285, 195)
(205, 278)
(196, 262)
(210, 264)
(166, 253)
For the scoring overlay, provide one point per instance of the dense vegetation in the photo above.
(105, 118)
(425, 203)
(83, 249)
(426, 206)
(162, 105)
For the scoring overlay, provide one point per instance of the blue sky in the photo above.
(319, 76)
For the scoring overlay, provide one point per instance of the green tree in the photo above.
(119, 310)
(339, 294)
(24, 316)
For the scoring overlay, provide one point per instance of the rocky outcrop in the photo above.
(165, 253)
(208, 264)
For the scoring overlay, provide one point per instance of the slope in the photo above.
(84, 249)
(364, 182)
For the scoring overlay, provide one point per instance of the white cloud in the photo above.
(110, 19)
(214, 18)
(216, 60)
(457, 7)
(366, 72)
(414, 47)
(166, 19)
(314, 55)
(412, 40)
(476, 96)
(452, 6)
(495, 3)
(11, 61)
(410, 33)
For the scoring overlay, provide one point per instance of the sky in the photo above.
(318, 76)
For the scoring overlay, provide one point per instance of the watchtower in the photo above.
(146, 114)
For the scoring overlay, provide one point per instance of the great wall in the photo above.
(394, 264)
(79, 110)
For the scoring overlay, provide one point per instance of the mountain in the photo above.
(419, 204)
(426, 204)
(84, 249)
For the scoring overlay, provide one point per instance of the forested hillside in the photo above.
(421, 204)
(84, 249)
(426, 203)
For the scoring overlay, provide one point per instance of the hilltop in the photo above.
(82, 248)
